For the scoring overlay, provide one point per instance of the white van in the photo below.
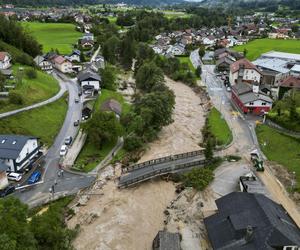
(14, 176)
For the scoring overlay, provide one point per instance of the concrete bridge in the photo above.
(162, 166)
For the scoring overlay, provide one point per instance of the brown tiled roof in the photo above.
(242, 62)
(111, 105)
(59, 59)
(291, 82)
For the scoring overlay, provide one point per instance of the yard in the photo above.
(90, 155)
(44, 122)
(60, 36)
(186, 60)
(280, 148)
(219, 128)
(257, 47)
(33, 90)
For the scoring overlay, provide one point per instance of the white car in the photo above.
(63, 150)
(14, 176)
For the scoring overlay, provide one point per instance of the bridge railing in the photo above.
(159, 172)
(164, 160)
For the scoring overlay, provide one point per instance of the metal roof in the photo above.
(296, 68)
(12, 145)
(269, 222)
(86, 74)
(282, 55)
(3, 166)
(274, 64)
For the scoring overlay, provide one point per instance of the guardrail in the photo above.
(160, 172)
(169, 158)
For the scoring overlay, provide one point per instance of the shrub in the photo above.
(16, 98)
(133, 142)
(198, 178)
(31, 73)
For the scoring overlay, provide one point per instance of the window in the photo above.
(263, 104)
(251, 103)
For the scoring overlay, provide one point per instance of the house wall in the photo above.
(238, 102)
(28, 148)
(95, 84)
(45, 65)
(65, 67)
(248, 76)
(3, 180)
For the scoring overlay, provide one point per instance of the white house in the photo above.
(62, 64)
(44, 64)
(89, 80)
(5, 59)
(245, 71)
(16, 151)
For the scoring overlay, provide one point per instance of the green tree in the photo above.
(108, 78)
(31, 73)
(148, 75)
(295, 28)
(2, 81)
(102, 128)
(201, 51)
(208, 151)
(16, 98)
(198, 178)
(127, 49)
(199, 71)
(293, 110)
(245, 52)
(111, 49)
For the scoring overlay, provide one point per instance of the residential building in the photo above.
(16, 151)
(86, 43)
(165, 240)
(273, 70)
(43, 63)
(223, 64)
(289, 83)
(249, 99)
(74, 56)
(88, 36)
(112, 105)
(251, 221)
(5, 59)
(89, 80)
(3, 175)
(62, 64)
(295, 70)
(244, 70)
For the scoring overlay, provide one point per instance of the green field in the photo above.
(280, 148)
(61, 36)
(219, 128)
(90, 155)
(186, 59)
(257, 47)
(33, 90)
(44, 122)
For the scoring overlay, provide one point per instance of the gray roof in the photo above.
(166, 241)
(282, 55)
(11, 145)
(251, 97)
(111, 105)
(272, 226)
(38, 59)
(296, 68)
(86, 74)
(274, 64)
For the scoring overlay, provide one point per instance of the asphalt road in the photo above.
(69, 183)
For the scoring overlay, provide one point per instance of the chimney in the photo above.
(249, 234)
(255, 88)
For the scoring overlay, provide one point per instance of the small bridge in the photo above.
(162, 166)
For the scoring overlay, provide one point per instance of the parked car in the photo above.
(6, 191)
(76, 123)
(68, 140)
(14, 176)
(76, 100)
(228, 89)
(63, 150)
(34, 177)
(80, 93)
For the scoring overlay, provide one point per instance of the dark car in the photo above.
(68, 140)
(6, 191)
(34, 177)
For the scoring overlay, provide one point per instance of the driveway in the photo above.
(69, 183)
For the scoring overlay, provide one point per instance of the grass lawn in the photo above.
(219, 127)
(186, 59)
(59, 36)
(44, 122)
(257, 47)
(32, 90)
(176, 14)
(280, 148)
(90, 155)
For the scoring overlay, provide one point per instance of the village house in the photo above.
(112, 105)
(74, 56)
(62, 64)
(17, 151)
(43, 63)
(89, 81)
(250, 99)
(5, 59)
(251, 221)
(289, 83)
(244, 70)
